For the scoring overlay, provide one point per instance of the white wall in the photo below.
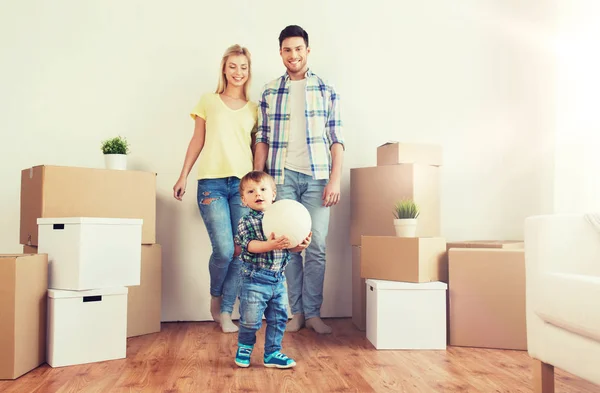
(577, 160)
(473, 77)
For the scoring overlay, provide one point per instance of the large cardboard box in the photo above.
(393, 153)
(56, 191)
(408, 259)
(144, 301)
(374, 192)
(487, 298)
(91, 253)
(86, 326)
(23, 288)
(506, 244)
(406, 315)
(359, 295)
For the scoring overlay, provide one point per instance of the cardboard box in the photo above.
(23, 288)
(359, 296)
(90, 252)
(30, 249)
(86, 326)
(374, 192)
(144, 301)
(408, 259)
(55, 191)
(393, 153)
(487, 298)
(506, 244)
(403, 315)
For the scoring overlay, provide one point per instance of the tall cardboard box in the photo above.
(58, 191)
(23, 288)
(393, 153)
(487, 298)
(144, 301)
(407, 259)
(359, 295)
(374, 191)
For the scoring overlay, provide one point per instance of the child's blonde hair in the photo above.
(232, 51)
(257, 177)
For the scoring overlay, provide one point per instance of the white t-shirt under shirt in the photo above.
(297, 158)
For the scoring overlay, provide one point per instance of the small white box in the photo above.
(86, 326)
(89, 253)
(405, 315)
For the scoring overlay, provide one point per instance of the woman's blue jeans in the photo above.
(221, 209)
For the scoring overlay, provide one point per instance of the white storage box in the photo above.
(89, 253)
(86, 326)
(403, 315)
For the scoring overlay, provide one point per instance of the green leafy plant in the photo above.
(406, 208)
(117, 145)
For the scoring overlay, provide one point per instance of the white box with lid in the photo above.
(90, 252)
(86, 326)
(406, 315)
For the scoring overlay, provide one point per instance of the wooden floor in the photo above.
(196, 357)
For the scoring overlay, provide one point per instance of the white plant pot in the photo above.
(405, 227)
(116, 161)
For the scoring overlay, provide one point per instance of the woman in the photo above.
(225, 122)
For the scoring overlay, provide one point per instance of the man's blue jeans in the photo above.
(305, 282)
(221, 209)
(262, 292)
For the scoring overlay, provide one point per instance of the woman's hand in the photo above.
(179, 188)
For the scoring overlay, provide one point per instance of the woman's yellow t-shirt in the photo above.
(227, 144)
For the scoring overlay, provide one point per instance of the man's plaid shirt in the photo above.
(323, 123)
(250, 228)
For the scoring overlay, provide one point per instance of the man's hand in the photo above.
(331, 193)
(305, 243)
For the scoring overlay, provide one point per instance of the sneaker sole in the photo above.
(279, 366)
(243, 365)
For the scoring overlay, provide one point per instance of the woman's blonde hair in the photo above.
(232, 51)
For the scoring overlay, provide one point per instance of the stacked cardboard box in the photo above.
(58, 191)
(402, 171)
(55, 191)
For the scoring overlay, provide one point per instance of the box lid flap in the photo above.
(64, 294)
(89, 220)
(393, 285)
(388, 143)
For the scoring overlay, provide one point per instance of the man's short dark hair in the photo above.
(293, 31)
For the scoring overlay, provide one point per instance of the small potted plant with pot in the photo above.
(406, 212)
(115, 152)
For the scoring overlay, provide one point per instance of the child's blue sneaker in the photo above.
(278, 360)
(242, 356)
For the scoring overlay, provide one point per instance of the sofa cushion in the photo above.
(571, 302)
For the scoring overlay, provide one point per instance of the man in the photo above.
(300, 141)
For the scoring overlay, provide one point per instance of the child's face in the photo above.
(258, 196)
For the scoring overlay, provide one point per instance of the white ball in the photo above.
(286, 217)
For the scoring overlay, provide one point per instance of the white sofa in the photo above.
(562, 258)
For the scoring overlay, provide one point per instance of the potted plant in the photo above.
(406, 212)
(115, 152)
